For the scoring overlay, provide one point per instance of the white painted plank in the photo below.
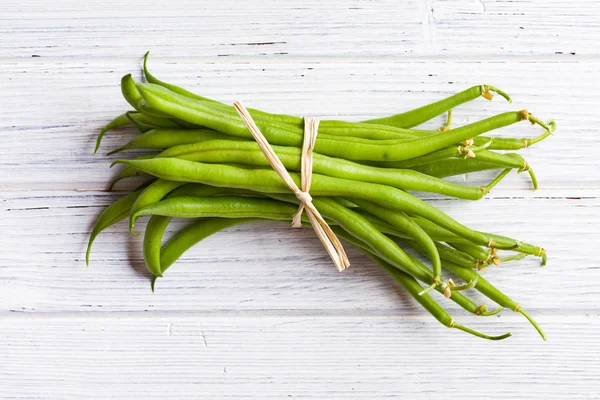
(229, 30)
(158, 357)
(514, 28)
(48, 137)
(271, 267)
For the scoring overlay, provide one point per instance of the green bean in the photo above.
(399, 121)
(525, 248)
(500, 159)
(526, 167)
(401, 221)
(263, 180)
(199, 112)
(392, 127)
(158, 261)
(165, 138)
(222, 207)
(449, 254)
(153, 193)
(453, 151)
(157, 224)
(129, 171)
(361, 228)
(434, 230)
(445, 253)
(246, 207)
(490, 291)
(249, 153)
(454, 166)
(422, 114)
(205, 227)
(477, 252)
(517, 144)
(200, 190)
(457, 297)
(139, 121)
(114, 213)
(413, 288)
(151, 116)
(121, 120)
(388, 229)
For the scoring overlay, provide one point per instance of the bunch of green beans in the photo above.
(204, 164)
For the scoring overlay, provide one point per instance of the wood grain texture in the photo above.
(161, 357)
(258, 311)
(311, 29)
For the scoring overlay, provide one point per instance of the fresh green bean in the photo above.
(263, 180)
(121, 120)
(456, 296)
(394, 123)
(449, 254)
(452, 151)
(413, 288)
(249, 153)
(477, 252)
(401, 221)
(200, 190)
(490, 291)
(246, 207)
(454, 166)
(205, 227)
(391, 127)
(157, 224)
(222, 207)
(199, 112)
(420, 115)
(152, 194)
(139, 121)
(114, 213)
(517, 144)
(165, 138)
(129, 172)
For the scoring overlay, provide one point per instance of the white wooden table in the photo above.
(258, 312)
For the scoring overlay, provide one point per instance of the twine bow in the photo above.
(330, 241)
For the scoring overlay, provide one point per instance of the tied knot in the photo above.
(304, 197)
(330, 241)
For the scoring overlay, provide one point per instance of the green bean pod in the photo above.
(139, 121)
(391, 127)
(477, 252)
(155, 229)
(401, 221)
(423, 114)
(165, 138)
(119, 121)
(455, 296)
(454, 166)
(267, 181)
(491, 292)
(199, 112)
(249, 153)
(114, 213)
(152, 194)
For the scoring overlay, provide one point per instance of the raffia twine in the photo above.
(311, 126)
